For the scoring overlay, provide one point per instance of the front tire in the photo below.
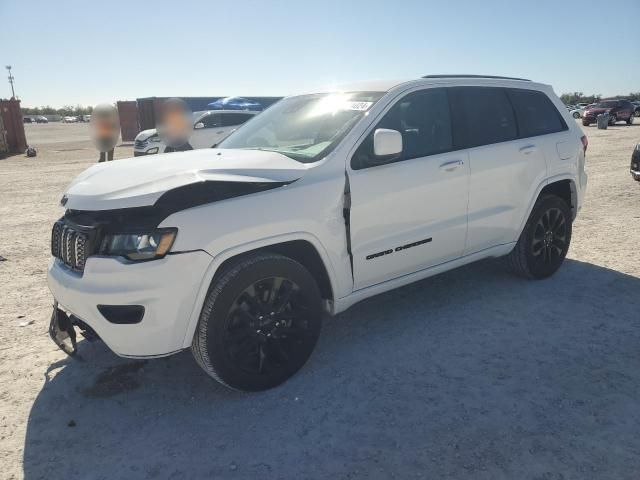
(544, 242)
(612, 120)
(259, 323)
(630, 119)
(585, 123)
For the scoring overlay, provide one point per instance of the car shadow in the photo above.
(470, 374)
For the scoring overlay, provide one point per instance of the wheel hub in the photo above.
(268, 324)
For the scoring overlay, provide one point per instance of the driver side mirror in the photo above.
(198, 126)
(387, 144)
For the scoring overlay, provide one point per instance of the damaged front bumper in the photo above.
(138, 309)
(63, 333)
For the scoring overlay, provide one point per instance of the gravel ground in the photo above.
(473, 374)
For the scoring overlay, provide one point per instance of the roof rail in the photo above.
(476, 76)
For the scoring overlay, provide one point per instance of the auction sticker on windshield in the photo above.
(358, 106)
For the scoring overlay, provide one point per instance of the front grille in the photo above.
(69, 245)
(140, 144)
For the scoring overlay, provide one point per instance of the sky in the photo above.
(86, 52)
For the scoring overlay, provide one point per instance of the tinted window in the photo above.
(212, 120)
(535, 113)
(423, 119)
(231, 119)
(609, 104)
(482, 115)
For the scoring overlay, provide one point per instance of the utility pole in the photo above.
(13, 93)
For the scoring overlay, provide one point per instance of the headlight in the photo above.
(139, 246)
(155, 139)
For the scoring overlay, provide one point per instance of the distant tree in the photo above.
(64, 111)
(579, 97)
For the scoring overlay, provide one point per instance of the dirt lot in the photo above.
(472, 374)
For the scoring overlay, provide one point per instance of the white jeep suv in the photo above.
(321, 201)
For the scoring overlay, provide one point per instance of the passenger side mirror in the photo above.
(198, 126)
(387, 143)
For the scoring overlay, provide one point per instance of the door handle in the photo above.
(529, 149)
(451, 166)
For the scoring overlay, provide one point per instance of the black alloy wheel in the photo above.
(549, 237)
(545, 239)
(259, 323)
(266, 327)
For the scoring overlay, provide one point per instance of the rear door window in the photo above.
(535, 113)
(482, 116)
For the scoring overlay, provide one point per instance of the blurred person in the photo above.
(175, 126)
(105, 130)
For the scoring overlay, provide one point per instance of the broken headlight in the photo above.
(139, 246)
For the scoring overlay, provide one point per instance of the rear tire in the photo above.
(259, 323)
(544, 242)
(585, 123)
(576, 115)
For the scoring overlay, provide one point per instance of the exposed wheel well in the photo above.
(302, 252)
(564, 189)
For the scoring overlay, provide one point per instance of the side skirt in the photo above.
(344, 303)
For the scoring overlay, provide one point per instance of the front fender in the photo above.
(229, 253)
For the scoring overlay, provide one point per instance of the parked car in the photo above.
(28, 120)
(69, 119)
(42, 119)
(319, 202)
(577, 112)
(209, 128)
(635, 163)
(617, 109)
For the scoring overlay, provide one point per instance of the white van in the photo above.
(321, 201)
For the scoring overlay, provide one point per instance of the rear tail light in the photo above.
(585, 143)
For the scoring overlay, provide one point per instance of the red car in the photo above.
(617, 109)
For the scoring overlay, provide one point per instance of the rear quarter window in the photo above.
(535, 113)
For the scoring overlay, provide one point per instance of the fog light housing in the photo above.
(122, 314)
(153, 150)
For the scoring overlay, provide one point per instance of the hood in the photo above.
(146, 134)
(597, 111)
(140, 181)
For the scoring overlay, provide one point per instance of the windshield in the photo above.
(306, 127)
